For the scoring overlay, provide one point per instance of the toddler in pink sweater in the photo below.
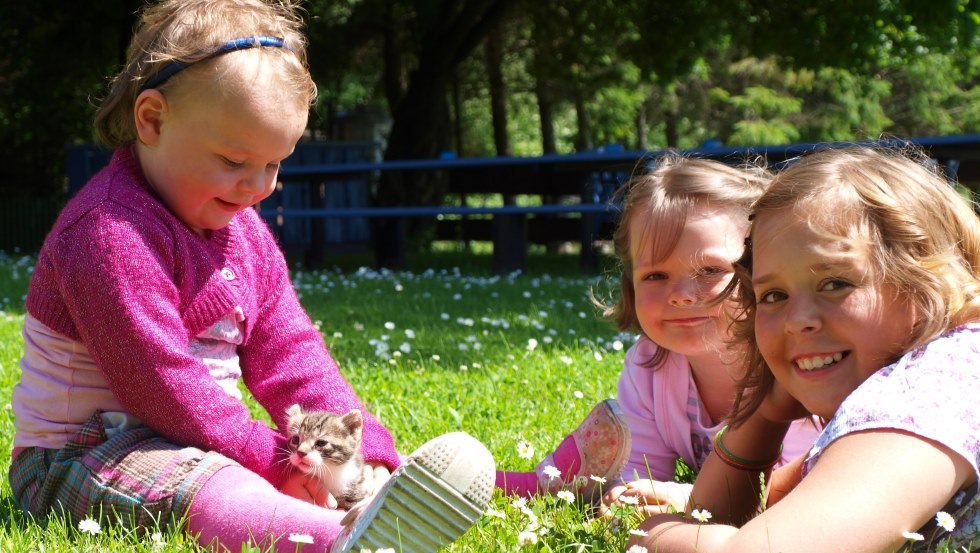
(159, 287)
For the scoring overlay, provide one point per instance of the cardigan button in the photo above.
(227, 274)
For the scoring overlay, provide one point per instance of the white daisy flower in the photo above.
(566, 495)
(89, 526)
(913, 536)
(525, 450)
(946, 521)
(527, 538)
(300, 538)
(702, 515)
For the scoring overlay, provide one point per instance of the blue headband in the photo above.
(245, 43)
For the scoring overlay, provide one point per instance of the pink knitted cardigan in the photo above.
(124, 276)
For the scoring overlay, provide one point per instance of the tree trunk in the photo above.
(584, 140)
(420, 116)
(498, 92)
(391, 50)
(454, 29)
(548, 145)
(641, 127)
(545, 106)
(457, 118)
(494, 50)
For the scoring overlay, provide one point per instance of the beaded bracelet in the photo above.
(739, 463)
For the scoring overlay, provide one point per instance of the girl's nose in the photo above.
(802, 317)
(684, 294)
(259, 183)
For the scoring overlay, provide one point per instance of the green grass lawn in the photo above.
(435, 350)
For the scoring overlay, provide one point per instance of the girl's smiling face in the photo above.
(672, 295)
(822, 322)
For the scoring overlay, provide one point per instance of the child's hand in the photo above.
(652, 497)
(375, 476)
(305, 488)
(780, 406)
(319, 494)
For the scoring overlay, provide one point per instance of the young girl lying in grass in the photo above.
(860, 294)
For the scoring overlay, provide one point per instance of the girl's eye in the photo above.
(771, 296)
(712, 272)
(273, 166)
(655, 276)
(835, 284)
(231, 163)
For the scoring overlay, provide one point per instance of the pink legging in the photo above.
(237, 506)
(527, 484)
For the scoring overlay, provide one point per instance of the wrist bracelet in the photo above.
(739, 463)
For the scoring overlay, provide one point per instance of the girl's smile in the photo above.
(819, 361)
(687, 321)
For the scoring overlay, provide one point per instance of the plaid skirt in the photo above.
(135, 478)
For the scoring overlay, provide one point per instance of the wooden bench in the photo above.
(508, 228)
(583, 182)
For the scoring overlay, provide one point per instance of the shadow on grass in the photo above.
(11, 515)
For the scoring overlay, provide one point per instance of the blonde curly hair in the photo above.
(190, 31)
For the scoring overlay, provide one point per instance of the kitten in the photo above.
(327, 447)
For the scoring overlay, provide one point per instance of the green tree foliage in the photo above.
(643, 74)
(53, 68)
(841, 105)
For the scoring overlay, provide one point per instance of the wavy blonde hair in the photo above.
(664, 197)
(919, 234)
(189, 31)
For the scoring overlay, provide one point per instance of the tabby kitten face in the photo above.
(319, 439)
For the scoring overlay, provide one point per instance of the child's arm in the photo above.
(649, 472)
(891, 481)
(651, 456)
(733, 494)
(784, 479)
(285, 361)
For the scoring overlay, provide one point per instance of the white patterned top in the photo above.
(933, 392)
(217, 347)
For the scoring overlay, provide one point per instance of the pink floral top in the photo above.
(217, 347)
(933, 392)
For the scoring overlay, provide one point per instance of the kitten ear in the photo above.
(353, 421)
(292, 414)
